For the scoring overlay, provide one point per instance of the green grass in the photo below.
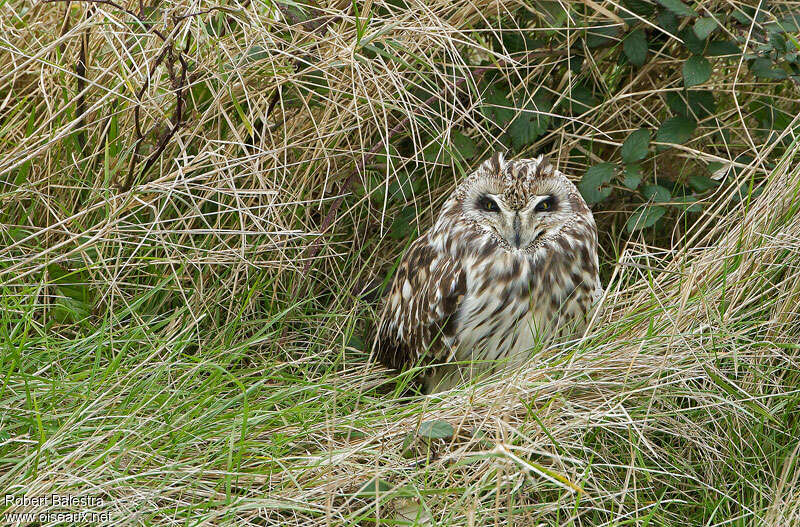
(675, 411)
(182, 332)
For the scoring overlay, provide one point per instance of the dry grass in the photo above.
(190, 195)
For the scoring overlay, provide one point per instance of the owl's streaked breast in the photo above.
(517, 302)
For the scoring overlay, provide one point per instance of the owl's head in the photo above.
(517, 204)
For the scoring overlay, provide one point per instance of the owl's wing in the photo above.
(418, 322)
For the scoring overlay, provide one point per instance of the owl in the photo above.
(510, 264)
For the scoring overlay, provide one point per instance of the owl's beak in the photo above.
(517, 226)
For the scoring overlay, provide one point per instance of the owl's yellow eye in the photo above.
(544, 205)
(488, 204)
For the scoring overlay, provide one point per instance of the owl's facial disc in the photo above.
(518, 228)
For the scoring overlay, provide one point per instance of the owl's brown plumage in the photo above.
(510, 263)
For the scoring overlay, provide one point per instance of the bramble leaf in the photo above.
(718, 48)
(703, 27)
(678, 7)
(436, 429)
(463, 144)
(696, 70)
(701, 184)
(635, 146)
(645, 216)
(633, 176)
(639, 7)
(531, 122)
(635, 47)
(676, 130)
(374, 487)
(762, 67)
(656, 193)
(593, 186)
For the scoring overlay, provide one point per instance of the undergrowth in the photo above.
(194, 195)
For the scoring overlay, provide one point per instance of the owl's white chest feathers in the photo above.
(518, 302)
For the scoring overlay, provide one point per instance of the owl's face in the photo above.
(516, 204)
(516, 225)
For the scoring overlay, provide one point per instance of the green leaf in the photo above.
(645, 216)
(667, 21)
(737, 393)
(436, 153)
(676, 103)
(639, 7)
(402, 226)
(762, 68)
(356, 342)
(315, 81)
(530, 123)
(406, 450)
(696, 70)
(678, 7)
(246, 58)
(519, 41)
(601, 36)
(633, 176)
(702, 103)
(402, 188)
(656, 193)
(635, 47)
(701, 184)
(676, 130)
(254, 53)
(687, 203)
(593, 184)
(554, 13)
(576, 63)
(72, 283)
(742, 17)
(68, 310)
(463, 144)
(13, 235)
(718, 48)
(778, 42)
(635, 146)
(704, 27)
(311, 86)
(744, 192)
(497, 107)
(73, 301)
(436, 429)
(580, 100)
(790, 23)
(692, 43)
(374, 487)
(769, 116)
(383, 157)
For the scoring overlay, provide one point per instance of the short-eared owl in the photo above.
(510, 263)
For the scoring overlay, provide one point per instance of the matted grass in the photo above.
(181, 331)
